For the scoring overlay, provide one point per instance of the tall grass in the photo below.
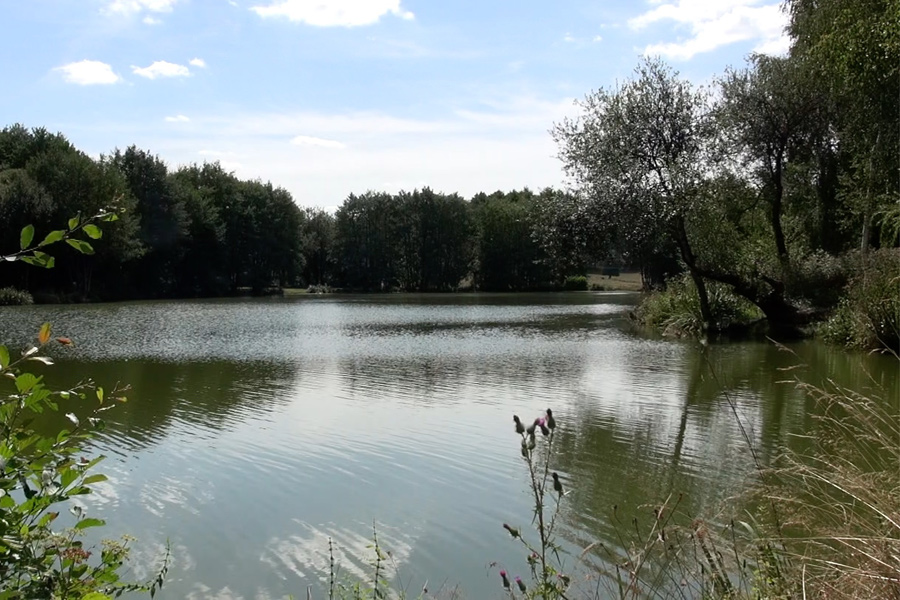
(868, 315)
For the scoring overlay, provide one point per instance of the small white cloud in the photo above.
(197, 62)
(130, 7)
(569, 38)
(88, 72)
(148, 20)
(597, 38)
(333, 13)
(161, 68)
(716, 23)
(305, 140)
(177, 119)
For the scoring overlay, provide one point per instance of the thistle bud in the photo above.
(521, 584)
(519, 427)
(531, 442)
(551, 422)
(505, 579)
(512, 530)
(544, 430)
(557, 484)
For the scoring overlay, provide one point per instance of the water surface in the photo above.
(258, 428)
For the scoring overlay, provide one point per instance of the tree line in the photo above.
(200, 231)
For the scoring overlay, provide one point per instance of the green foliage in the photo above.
(41, 472)
(508, 257)
(675, 310)
(10, 296)
(868, 315)
(575, 283)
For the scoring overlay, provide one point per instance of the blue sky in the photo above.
(325, 98)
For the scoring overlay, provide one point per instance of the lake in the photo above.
(257, 429)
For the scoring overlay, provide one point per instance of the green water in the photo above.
(257, 429)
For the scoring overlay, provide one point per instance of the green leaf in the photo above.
(95, 596)
(53, 237)
(89, 522)
(93, 232)
(81, 246)
(25, 382)
(39, 259)
(110, 218)
(73, 222)
(4, 357)
(26, 236)
(100, 394)
(94, 479)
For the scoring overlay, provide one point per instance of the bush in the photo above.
(818, 278)
(868, 315)
(10, 296)
(676, 310)
(576, 283)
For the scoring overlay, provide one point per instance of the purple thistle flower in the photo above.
(521, 584)
(505, 579)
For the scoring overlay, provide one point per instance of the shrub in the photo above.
(41, 472)
(10, 296)
(868, 315)
(575, 283)
(676, 310)
(818, 278)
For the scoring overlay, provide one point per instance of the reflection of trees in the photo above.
(205, 395)
(686, 438)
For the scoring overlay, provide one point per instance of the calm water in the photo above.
(257, 429)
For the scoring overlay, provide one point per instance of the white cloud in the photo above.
(161, 68)
(148, 20)
(716, 23)
(597, 38)
(569, 38)
(333, 13)
(177, 119)
(483, 145)
(88, 72)
(197, 62)
(130, 7)
(307, 140)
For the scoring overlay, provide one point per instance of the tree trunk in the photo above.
(687, 255)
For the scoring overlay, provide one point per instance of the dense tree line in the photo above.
(201, 231)
(197, 231)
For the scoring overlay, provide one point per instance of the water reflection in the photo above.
(256, 429)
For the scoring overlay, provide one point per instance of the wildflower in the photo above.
(521, 584)
(557, 484)
(551, 422)
(505, 579)
(531, 442)
(519, 427)
(544, 430)
(512, 530)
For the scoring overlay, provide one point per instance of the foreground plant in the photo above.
(543, 557)
(40, 473)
